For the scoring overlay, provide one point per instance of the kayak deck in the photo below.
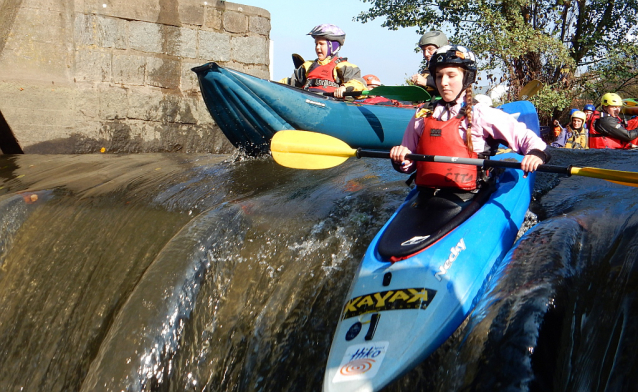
(426, 218)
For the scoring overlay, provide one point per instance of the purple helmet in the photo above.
(330, 32)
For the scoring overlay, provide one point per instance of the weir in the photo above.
(217, 272)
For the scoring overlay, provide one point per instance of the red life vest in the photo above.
(321, 77)
(598, 140)
(442, 138)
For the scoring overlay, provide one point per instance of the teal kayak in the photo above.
(249, 111)
(423, 273)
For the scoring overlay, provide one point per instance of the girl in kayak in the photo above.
(458, 127)
(607, 129)
(329, 73)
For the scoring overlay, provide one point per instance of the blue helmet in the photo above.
(589, 106)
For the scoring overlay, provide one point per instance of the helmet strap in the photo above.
(333, 47)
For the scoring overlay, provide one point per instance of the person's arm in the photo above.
(426, 81)
(612, 127)
(509, 131)
(349, 75)
(409, 144)
(298, 78)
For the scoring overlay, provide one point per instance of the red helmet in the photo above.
(372, 80)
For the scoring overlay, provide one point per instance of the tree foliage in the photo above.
(576, 48)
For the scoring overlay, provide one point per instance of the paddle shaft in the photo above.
(464, 161)
(402, 93)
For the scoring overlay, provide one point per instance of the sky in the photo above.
(374, 49)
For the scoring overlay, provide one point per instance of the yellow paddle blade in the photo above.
(309, 150)
(530, 89)
(617, 176)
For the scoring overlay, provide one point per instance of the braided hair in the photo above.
(469, 101)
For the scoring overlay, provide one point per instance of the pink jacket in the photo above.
(486, 121)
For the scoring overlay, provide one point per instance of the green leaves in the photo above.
(557, 42)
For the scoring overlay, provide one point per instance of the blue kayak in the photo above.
(403, 304)
(249, 111)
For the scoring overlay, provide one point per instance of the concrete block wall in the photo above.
(79, 76)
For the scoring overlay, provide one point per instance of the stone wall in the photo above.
(84, 75)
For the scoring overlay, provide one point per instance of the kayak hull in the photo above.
(249, 111)
(397, 314)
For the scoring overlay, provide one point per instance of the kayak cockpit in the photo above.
(427, 217)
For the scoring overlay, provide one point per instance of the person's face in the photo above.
(588, 113)
(612, 110)
(321, 48)
(577, 123)
(449, 82)
(428, 51)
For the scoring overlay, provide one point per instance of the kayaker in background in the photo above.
(458, 127)
(560, 135)
(329, 73)
(429, 43)
(607, 129)
(575, 134)
(372, 81)
(589, 109)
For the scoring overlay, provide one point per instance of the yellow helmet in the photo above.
(611, 99)
(580, 115)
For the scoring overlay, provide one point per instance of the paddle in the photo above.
(401, 93)
(311, 150)
(297, 60)
(529, 90)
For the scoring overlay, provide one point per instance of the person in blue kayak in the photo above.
(429, 43)
(329, 73)
(457, 127)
